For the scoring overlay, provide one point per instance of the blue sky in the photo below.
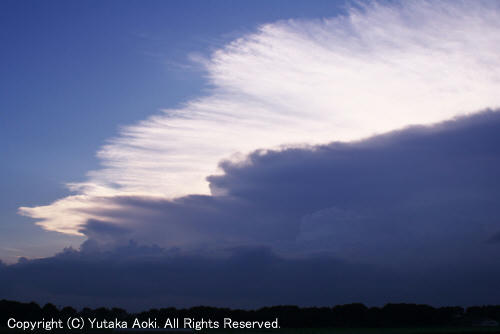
(356, 139)
(73, 72)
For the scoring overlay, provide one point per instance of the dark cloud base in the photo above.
(248, 278)
(409, 216)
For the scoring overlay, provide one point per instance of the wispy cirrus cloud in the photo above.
(300, 82)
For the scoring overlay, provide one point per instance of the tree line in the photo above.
(348, 315)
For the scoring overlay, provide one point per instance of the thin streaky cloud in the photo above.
(302, 82)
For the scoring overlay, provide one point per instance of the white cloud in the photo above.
(376, 69)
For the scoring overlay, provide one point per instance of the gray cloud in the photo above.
(421, 191)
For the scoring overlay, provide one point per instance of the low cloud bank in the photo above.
(247, 278)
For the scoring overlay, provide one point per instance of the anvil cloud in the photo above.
(291, 84)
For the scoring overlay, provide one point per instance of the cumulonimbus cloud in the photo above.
(392, 200)
(373, 70)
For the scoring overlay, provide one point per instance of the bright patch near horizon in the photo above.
(302, 82)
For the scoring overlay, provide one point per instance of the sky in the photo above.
(74, 72)
(255, 143)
